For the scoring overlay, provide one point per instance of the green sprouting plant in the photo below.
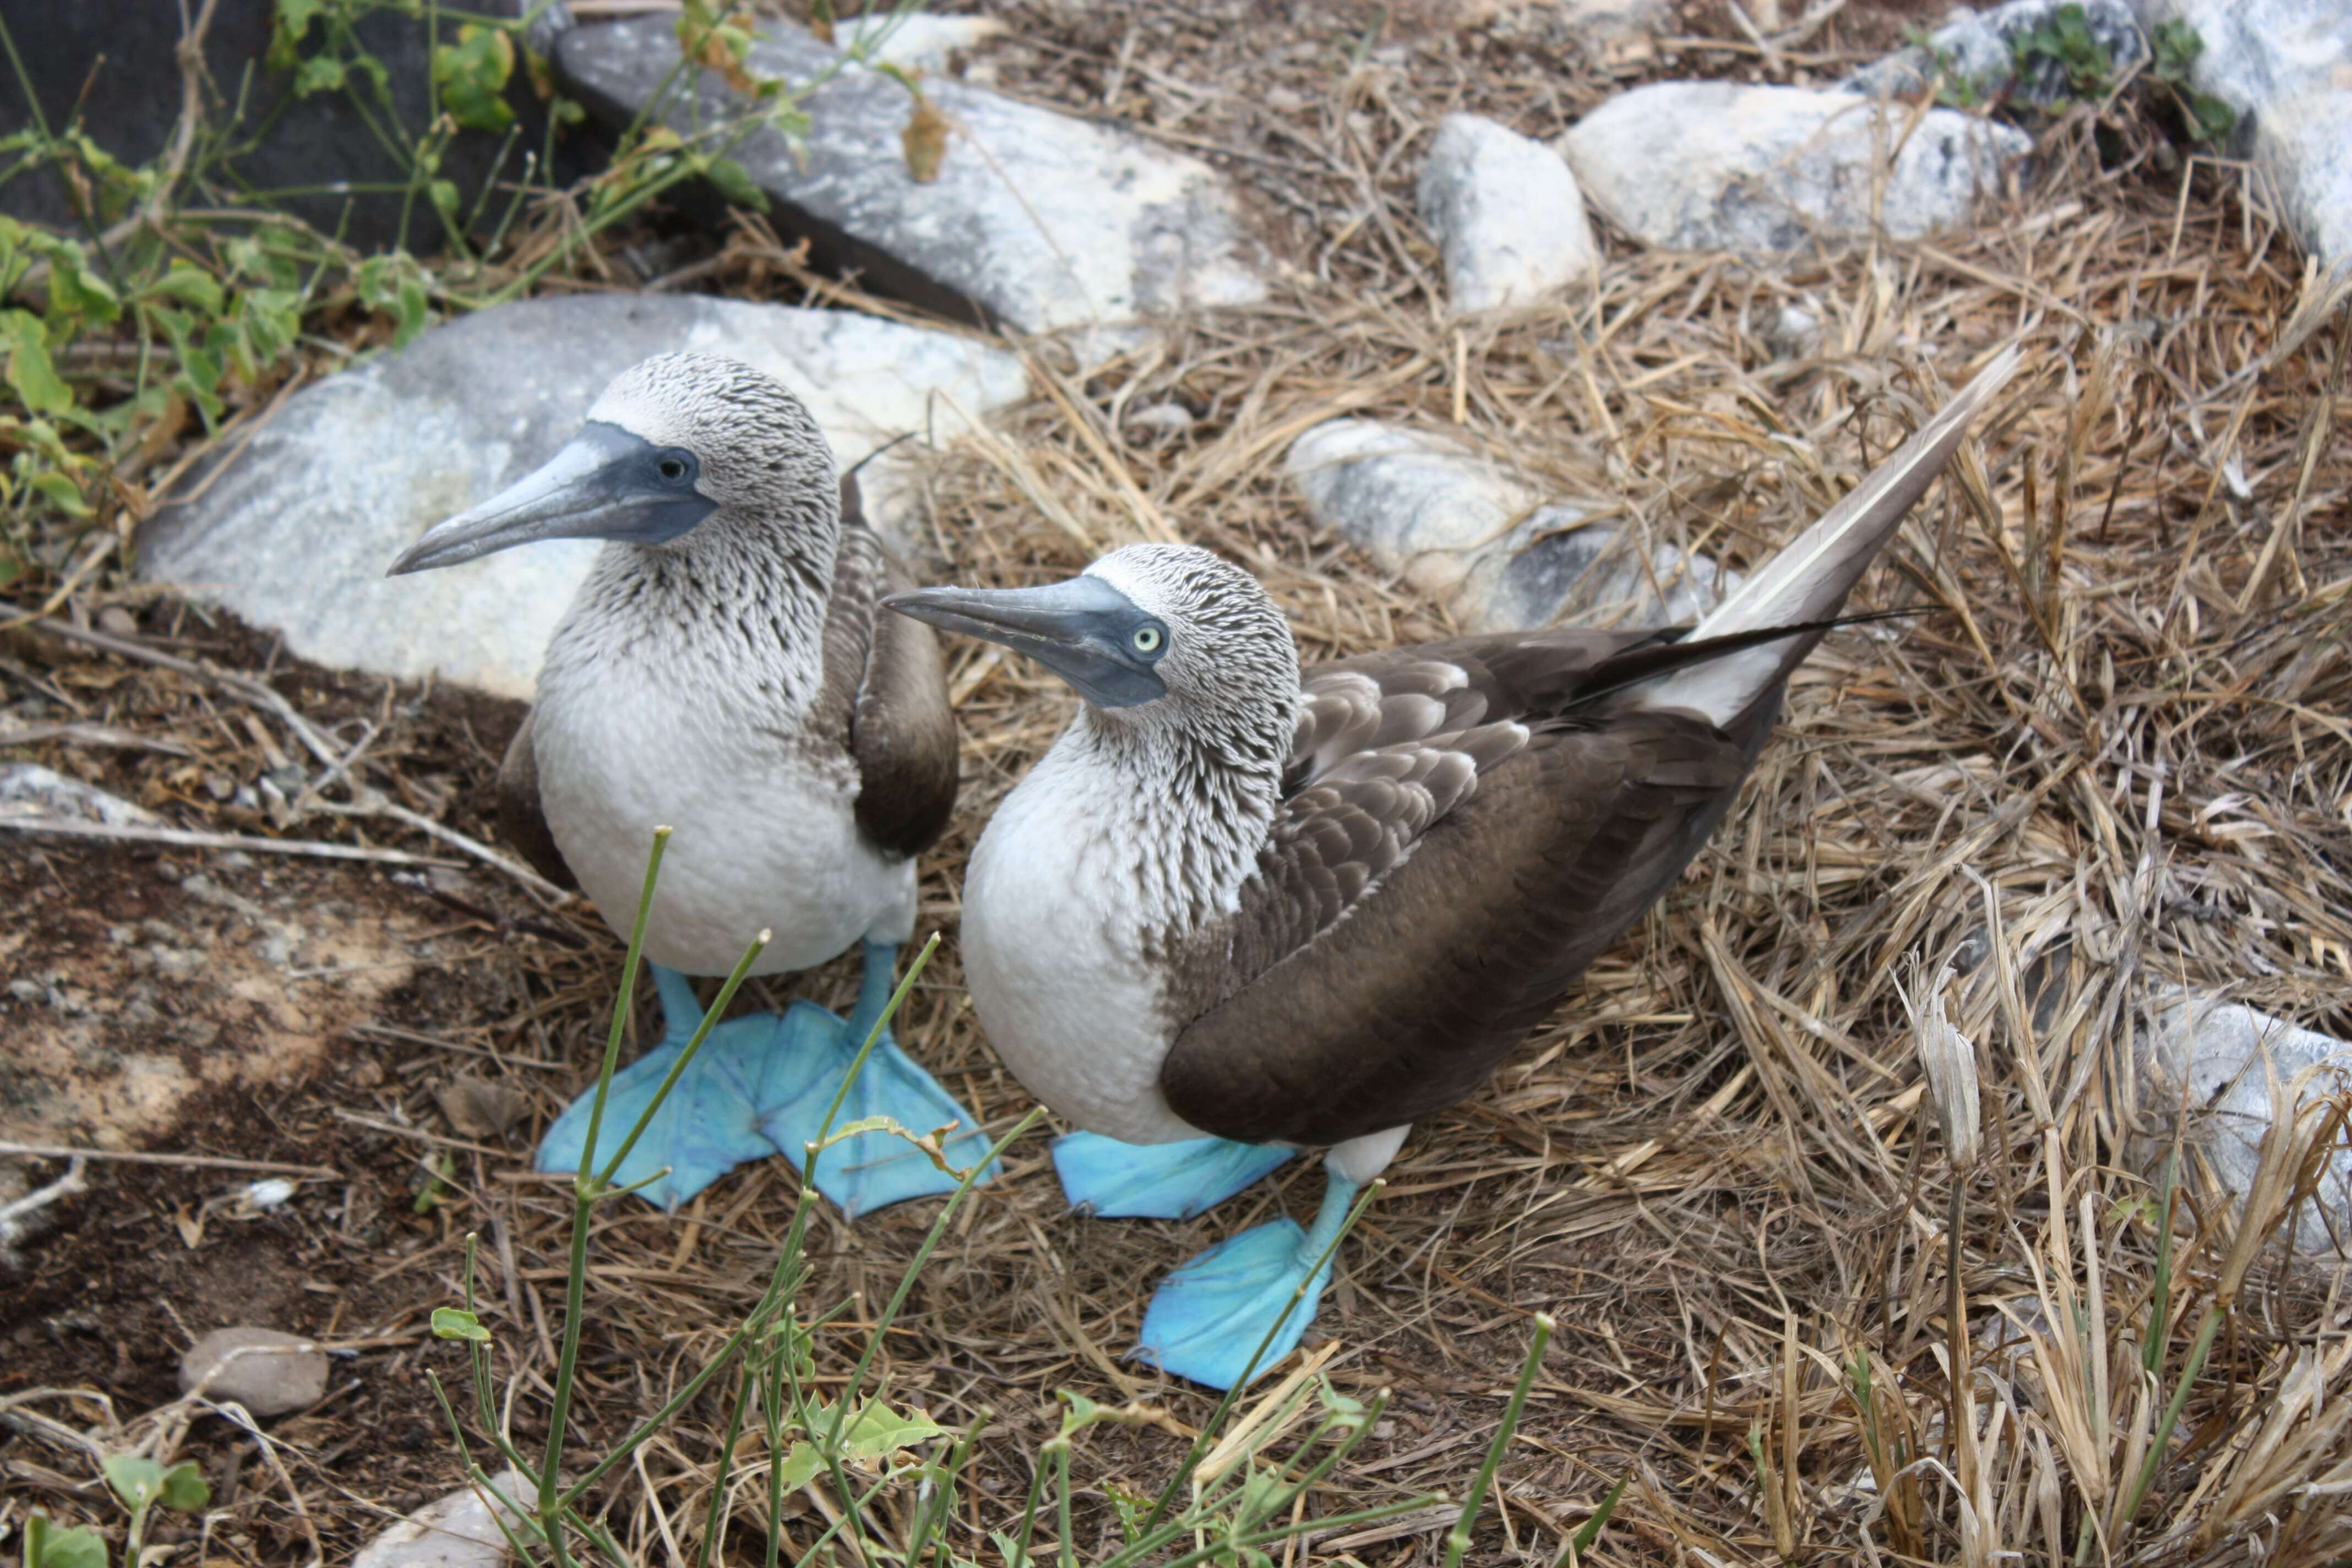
(2176, 45)
(2063, 44)
(1234, 1500)
(184, 294)
(1955, 88)
(142, 1485)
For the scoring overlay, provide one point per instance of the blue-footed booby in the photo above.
(724, 669)
(1239, 910)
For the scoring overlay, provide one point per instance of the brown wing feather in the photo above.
(887, 688)
(1423, 905)
(522, 822)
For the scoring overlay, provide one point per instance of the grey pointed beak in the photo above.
(1083, 630)
(606, 484)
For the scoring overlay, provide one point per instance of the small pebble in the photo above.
(266, 1371)
(117, 622)
(477, 1108)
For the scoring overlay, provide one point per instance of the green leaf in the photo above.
(455, 1323)
(800, 1466)
(289, 28)
(30, 371)
(47, 1545)
(877, 1429)
(135, 1479)
(78, 295)
(184, 1489)
(63, 493)
(735, 184)
(319, 73)
(471, 77)
(189, 285)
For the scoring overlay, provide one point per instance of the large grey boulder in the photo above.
(1505, 213)
(294, 532)
(2232, 1071)
(1036, 220)
(2285, 66)
(1459, 532)
(1976, 52)
(1713, 165)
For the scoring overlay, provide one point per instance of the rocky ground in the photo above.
(272, 978)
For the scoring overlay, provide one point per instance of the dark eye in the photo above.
(671, 469)
(1147, 639)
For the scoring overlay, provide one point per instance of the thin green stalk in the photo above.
(1068, 1532)
(2159, 1310)
(1458, 1541)
(2189, 1374)
(710, 1016)
(772, 1415)
(584, 1198)
(1208, 1436)
(715, 1520)
(1573, 1550)
(1029, 1508)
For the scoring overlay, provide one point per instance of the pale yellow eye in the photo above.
(1147, 639)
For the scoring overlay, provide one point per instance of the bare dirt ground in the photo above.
(2112, 756)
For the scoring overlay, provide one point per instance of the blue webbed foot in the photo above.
(1209, 1317)
(871, 1170)
(761, 1085)
(1157, 1181)
(710, 1122)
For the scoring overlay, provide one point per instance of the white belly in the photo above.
(760, 838)
(1049, 957)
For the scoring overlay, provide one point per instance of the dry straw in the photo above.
(2112, 754)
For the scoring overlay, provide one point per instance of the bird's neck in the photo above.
(736, 608)
(1184, 807)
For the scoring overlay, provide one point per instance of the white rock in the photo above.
(1040, 220)
(1505, 212)
(1458, 532)
(459, 1531)
(2285, 66)
(295, 532)
(2222, 1059)
(1690, 165)
(29, 789)
(918, 41)
(266, 1371)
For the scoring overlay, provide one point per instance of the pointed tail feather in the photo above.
(1809, 580)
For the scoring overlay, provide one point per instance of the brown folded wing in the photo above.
(1463, 836)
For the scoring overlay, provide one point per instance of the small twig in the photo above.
(370, 803)
(186, 838)
(253, 691)
(133, 1157)
(12, 1215)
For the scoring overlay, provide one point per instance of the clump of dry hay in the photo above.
(2112, 756)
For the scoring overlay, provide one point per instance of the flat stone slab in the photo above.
(294, 531)
(1710, 165)
(1038, 220)
(2285, 66)
(1505, 213)
(1483, 544)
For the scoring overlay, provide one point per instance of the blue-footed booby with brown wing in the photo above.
(724, 669)
(1239, 910)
